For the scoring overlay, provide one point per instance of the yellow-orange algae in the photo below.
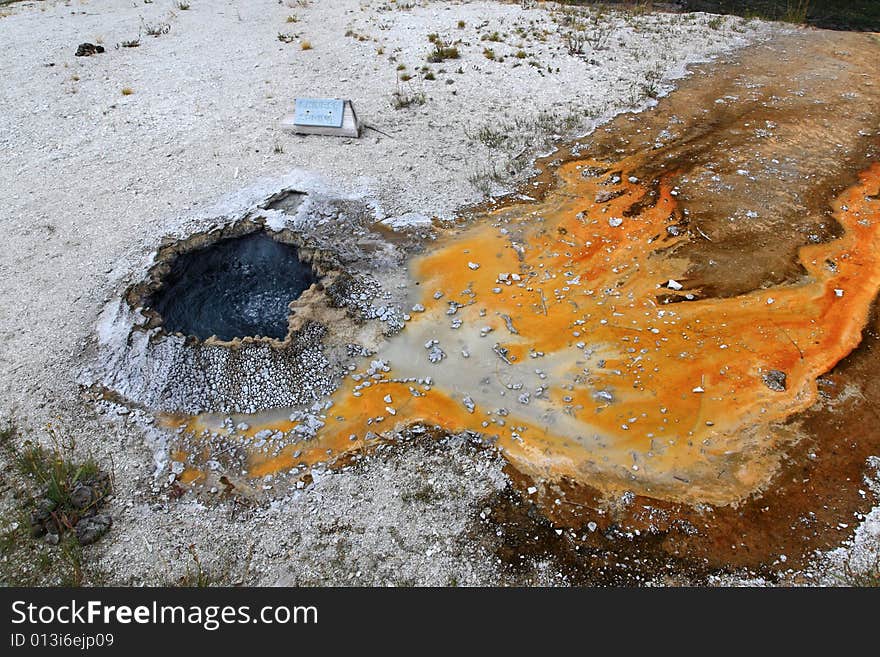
(564, 350)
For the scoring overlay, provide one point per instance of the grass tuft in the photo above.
(443, 50)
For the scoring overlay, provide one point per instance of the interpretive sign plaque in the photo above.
(323, 116)
(326, 112)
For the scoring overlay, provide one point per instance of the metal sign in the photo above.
(324, 112)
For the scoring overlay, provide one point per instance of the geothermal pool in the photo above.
(235, 288)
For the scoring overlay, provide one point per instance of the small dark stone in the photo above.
(37, 528)
(89, 530)
(775, 380)
(88, 49)
(82, 496)
(42, 512)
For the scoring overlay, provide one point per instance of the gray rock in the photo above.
(775, 380)
(52, 538)
(82, 496)
(89, 530)
(37, 528)
(88, 49)
(42, 514)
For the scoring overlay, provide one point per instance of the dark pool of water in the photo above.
(232, 289)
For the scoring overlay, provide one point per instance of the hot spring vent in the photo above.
(235, 288)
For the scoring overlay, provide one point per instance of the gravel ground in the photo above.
(105, 155)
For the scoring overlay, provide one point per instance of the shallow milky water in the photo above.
(232, 289)
(551, 331)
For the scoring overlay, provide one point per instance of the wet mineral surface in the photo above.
(668, 334)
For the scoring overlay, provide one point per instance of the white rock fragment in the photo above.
(614, 222)
(436, 354)
(673, 285)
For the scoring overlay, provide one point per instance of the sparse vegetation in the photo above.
(183, 6)
(127, 91)
(796, 11)
(357, 36)
(443, 50)
(226, 569)
(650, 87)
(574, 42)
(305, 45)
(156, 29)
(284, 37)
(59, 492)
(403, 98)
(581, 29)
(196, 575)
(511, 142)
